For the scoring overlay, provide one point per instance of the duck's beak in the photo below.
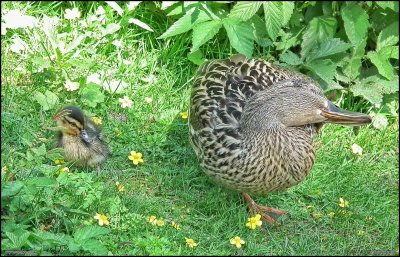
(333, 114)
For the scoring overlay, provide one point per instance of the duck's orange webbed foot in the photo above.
(262, 210)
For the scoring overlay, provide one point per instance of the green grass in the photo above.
(170, 184)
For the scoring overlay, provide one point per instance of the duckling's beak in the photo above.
(334, 114)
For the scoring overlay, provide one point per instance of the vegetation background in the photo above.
(93, 54)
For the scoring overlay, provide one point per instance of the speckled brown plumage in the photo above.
(252, 123)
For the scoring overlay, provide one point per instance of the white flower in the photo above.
(71, 86)
(18, 45)
(143, 63)
(132, 5)
(100, 11)
(148, 100)
(150, 79)
(118, 43)
(380, 121)
(94, 78)
(114, 86)
(3, 29)
(356, 149)
(125, 102)
(14, 19)
(72, 14)
(126, 62)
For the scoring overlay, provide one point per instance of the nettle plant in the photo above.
(343, 45)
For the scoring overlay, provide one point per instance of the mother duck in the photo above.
(252, 125)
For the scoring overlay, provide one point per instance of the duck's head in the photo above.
(71, 121)
(297, 102)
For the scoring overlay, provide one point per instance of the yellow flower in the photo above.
(331, 214)
(102, 219)
(317, 215)
(160, 223)
(184, 115)
(253, 222)
(176, 226)
(58, 162)
(343, 203)
(152, 220)
(369, 218)
(190, 242)
(361, 232)
(97, 121)
(121, 187)
(237, 241)
(136, 157)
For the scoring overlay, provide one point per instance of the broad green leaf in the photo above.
(47, 100)
(18, 241)
(352, 69)
(196, 57)
(273, 18)
(140, 24)
(203, 32)
(88, 232)
(11, 188)
(287, 11)
(319, 29)
(355, 23)
(290, 58)
(115, 6)
(166, 4)
(260, 32)
(325, 69)
(372, 88)
(245, 10)
(111, 28)
(95, 247)
(74, 44)
(40, 182)
(389, 52)
(186, 22)
(393, 5)
(41, 63)
(388, 36)
(40, 151)
(383, 65)
(240, 36)
(328, 47)
(91, 95)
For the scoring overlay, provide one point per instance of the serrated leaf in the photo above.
(47, 100)
(140, 24)
(355, 23)
(388, 36)
(196, 57)
(319, 29)
(91, 95)
(325, 69)
(40, 151)
(40, 182)
(203, 32)
(290, 58)
(244, 10)
(352, 69)
(389, 52)
(186, 22)
(393, 5)
(88, 232)
(240, 36)
(273, 18)
(260, 31)
(383, 65)
(18, 241)
(287, 11)
(372, 88)
(11, 188)
(115, 6)
(327, 48)
(95, 247)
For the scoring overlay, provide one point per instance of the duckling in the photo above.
(80, 138)
(251, 125)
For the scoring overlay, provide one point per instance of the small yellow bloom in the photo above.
(160, 223)
(356, 149)
(369, 218)
(136, 157)
(253, 222)
(102, 219)
(184, 115)
(57, 162)
(120, 187)
(176, 226)
(97, 120)
(331, 214)
(237, 241)
(343, 203)
(361, 232)
(317, 215)
(190, 242)
(152, 220)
